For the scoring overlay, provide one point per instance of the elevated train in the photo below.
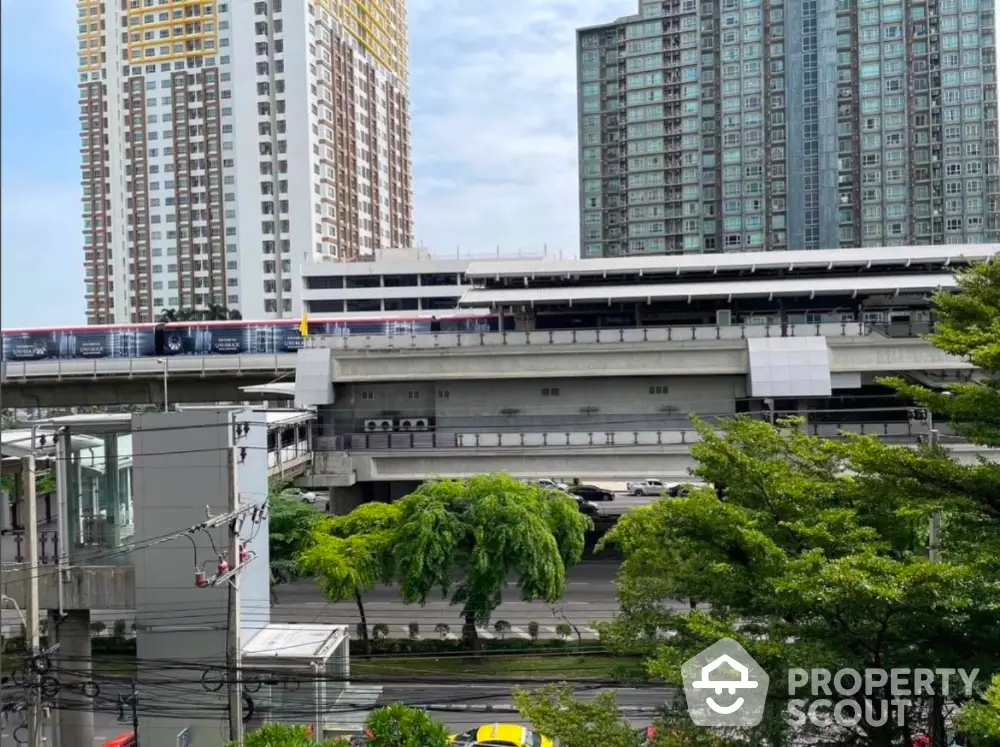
(221, 337)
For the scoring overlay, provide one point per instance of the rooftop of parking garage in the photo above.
(726, 290)
(830, 258)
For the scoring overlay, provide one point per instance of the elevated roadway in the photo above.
(604, 456)
(659, 351)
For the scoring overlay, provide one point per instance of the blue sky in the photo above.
(494, 138)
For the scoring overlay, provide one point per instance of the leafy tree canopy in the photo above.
(967, 324)
(290, 524)
(401, 726)
(560, 715)
(287, 735)
(213, 313)
(981, 721)
(467, 537)
(349, 555)
(814, 557)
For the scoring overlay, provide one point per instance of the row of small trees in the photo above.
(501, 627)
(460, 538)
(212, 313)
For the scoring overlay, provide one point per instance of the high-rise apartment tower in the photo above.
(226, 142)
(742, 125)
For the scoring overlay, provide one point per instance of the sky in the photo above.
(494, 139)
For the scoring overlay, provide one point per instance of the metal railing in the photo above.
(288, 454)
(48, 545)
(611, 336)
(565, 439)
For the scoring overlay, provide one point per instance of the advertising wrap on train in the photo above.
(79, 343)
(208, 338)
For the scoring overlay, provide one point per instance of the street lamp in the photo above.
(166, 403)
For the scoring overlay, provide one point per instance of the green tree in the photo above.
(401, 726)
(981, 721)
(968, 325)
(290, 525)
(286, 735)
(213, 313)
(349, 555)
(485, 529)
(816, 558)
(555, 712)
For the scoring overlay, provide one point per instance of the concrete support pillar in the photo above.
(4, 510)
(74, 716)
(345, 500)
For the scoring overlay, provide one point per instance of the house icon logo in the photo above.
(724, 686)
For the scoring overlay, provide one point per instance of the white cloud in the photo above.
(494, 122)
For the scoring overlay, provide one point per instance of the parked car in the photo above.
(586, 507)
(500, 735)
(592, 493)
(646, 487)
(301, 495)
(545, 482)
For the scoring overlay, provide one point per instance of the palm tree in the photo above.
(214, 313)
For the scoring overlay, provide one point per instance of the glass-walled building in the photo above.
(745, 125)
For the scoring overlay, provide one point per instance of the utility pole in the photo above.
(938, 732)
(32, 612)
(233, 645)
(935, 530)
(132, 701)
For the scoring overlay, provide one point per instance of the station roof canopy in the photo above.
(870, 285)
(747, 261)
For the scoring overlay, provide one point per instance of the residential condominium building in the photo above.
(742, 125)
(225, 143)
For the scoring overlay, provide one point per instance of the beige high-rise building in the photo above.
(225, 143)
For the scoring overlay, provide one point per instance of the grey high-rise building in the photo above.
(744, 125)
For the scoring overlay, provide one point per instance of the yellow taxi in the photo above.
(500, 735)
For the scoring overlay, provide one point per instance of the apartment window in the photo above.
(413, 394)
(444, 394)
(550, 391)
(658, 389)
(367, 395)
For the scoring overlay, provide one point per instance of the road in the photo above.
(460, 707)
(590, 597)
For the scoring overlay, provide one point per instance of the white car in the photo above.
(545, 482)
(646, 487)
(302, 495)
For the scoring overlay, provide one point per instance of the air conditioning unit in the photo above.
(406, 424)
(420, 424)
(724, 317)
(381, 425)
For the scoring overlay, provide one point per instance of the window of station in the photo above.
(447, 303)
(363, 305)
(362, 281)
(436, 279)
(324, 282)
(324, 307)
(402, 304)
(400, 281)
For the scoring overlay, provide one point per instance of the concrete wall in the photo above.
(181, 467)
(619, 403)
